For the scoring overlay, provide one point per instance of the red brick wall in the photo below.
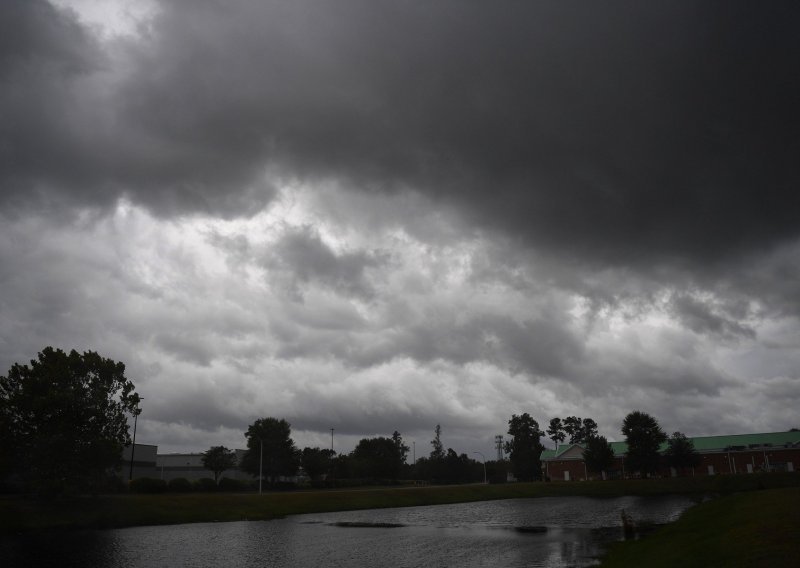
(722, 463)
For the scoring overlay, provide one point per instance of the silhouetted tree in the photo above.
(587, 432)
(379, 458)
(280, 456)
(435, 467)
(556, 431)
(598, 455)
(402, 449)
(64, 419)
(217, 459)
(316, 462)
(644, 437)
(572, 427)
(438, 449)
(578, 429)
(525, 447)
(458, 468)
(680, 452)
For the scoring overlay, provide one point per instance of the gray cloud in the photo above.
(309, 259)
(434, 212)
(700, 317)
(640, 134)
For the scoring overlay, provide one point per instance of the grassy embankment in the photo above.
(755, 528)
(131, 510)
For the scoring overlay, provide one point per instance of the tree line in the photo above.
(64, 424)
(643, 437)
(272, 453)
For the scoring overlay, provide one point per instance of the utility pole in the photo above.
(485, 480)
(136, 414)
(260, 463)
(332, 439)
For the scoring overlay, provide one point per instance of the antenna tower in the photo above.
(498, 440)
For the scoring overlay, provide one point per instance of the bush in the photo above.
(205, 484)
(179, 485)
(147, 485)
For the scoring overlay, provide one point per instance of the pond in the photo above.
(552, 532)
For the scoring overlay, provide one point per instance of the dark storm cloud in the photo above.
(642, 130)
(69, 139)
(702, 318)
(309, 259)
(533, 346)
(637, 133)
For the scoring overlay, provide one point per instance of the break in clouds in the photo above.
(377, 216)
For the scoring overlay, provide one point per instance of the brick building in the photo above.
(736, 454)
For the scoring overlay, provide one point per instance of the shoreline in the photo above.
(20, 514)
(754, 528)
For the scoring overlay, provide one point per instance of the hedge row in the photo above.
(183, 485)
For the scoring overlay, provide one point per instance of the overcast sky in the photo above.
(376, 215)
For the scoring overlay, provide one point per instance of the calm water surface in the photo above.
(462, 535)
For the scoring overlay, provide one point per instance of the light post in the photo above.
(137, 411)
(484, 466)
(332, 439)
(260, 463)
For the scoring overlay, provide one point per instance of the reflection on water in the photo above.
(570, 532)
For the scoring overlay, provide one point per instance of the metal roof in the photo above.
(706, 444)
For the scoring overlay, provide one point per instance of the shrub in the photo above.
(227, 484)
(205, 484)
(179, 485)
(147, 485)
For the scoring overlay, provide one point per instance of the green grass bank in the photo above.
(108, 511)
(751, 529)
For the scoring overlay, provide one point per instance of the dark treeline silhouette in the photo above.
(64, 423)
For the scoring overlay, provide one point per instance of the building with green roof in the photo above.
(730, 454)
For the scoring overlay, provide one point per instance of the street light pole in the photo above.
(260, 463)
(136, 413)
(484, 466)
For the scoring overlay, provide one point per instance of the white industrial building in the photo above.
(190, 466)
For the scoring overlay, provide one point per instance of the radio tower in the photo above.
(498, 440)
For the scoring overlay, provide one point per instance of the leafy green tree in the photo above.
(64, 419)
(680, 452)
(587, 432)
(218, 459)
(525, 447)
(317, 462)
(402, 449)
(598, 455)
(644, 437)
(379, 458)
(572, 427)
(578, 429)
(421, 469)
(460, 468)
(556, 431)
(438, 449)
(280, 456)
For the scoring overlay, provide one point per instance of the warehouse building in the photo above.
(190, 466)
(144, 461)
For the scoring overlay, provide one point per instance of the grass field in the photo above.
(19, 514)
(751, 529)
